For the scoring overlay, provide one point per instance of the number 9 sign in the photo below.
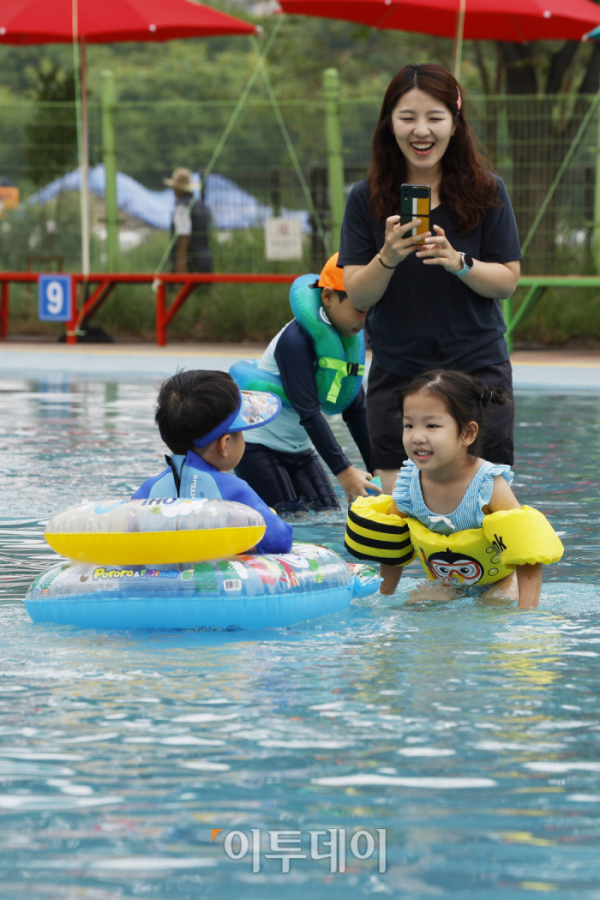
(54, 298)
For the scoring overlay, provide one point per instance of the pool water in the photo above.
(467, 736)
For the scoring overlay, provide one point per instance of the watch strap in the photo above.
(465, 269)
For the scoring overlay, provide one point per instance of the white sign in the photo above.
(283, 239)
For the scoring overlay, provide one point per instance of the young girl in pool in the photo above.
(446, 485)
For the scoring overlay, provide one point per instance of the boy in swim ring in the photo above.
(280, 463)
(201, 416)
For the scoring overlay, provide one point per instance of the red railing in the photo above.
(96, 288)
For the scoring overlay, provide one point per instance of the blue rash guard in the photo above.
(190, 477)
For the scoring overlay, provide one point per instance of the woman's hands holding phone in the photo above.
(399, 241)
(440, 252)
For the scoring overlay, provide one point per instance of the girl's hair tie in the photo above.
(485, 399)
(458, 99)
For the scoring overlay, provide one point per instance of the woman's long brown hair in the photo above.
(467, 189)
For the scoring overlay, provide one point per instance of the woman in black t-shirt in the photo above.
(433, 305)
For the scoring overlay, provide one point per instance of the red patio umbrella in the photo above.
(110, 21)
(519, 21)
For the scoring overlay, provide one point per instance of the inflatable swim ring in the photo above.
(246, 591)
(173, 530)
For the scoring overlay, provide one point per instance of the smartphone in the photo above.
(415, 203)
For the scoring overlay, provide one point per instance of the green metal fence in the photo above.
(528, 139)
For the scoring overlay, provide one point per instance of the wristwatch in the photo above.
(467, 262)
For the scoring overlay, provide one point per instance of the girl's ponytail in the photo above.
(492, 395)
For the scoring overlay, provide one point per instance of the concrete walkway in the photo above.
(553, 370)
(556, 370)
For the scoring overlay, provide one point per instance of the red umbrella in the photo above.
(62, 21)
(110, 21)
(493, 20)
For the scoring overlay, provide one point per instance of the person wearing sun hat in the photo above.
(315, 365)
(190, 226)
(201, 416)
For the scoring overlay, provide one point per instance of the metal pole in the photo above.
(458, 39)
(596, 246)
(85, 167)
(335, 162)
(110, 170)
(161, 311)
(4, 310)
(73, 323)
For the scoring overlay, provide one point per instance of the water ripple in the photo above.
(469, 732)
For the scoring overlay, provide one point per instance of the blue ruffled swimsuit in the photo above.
(408, 497)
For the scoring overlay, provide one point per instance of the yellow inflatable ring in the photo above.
(138, 532)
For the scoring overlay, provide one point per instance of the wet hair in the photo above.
(462, 396)
(191, 404)
(468, 188)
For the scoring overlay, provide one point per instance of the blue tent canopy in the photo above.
(230, 205)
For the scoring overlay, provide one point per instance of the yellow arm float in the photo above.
(523, 536)
(375, 535)
(509, 538)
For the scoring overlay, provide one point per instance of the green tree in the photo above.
(51, 148)
(51, 135)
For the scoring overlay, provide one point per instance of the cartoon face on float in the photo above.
(455, 567)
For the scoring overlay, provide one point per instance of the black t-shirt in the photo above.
(429, 317)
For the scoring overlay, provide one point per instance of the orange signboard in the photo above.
(9, 198)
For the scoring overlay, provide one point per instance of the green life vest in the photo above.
(340, 360)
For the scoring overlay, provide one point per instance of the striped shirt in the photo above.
(408, 497)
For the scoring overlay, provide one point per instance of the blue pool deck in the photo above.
(533, 369)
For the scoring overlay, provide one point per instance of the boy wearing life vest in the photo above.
(315, 365)
(201, 416)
